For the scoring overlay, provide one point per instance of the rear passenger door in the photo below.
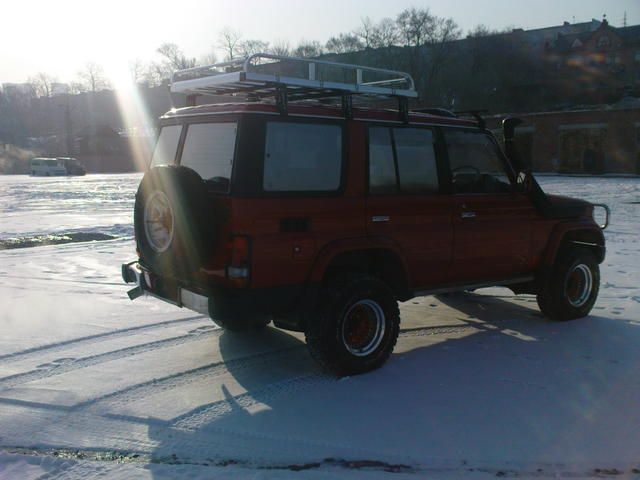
(405, 201)
(492, 221)
(304, 199)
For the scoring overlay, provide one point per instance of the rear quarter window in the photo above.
(302, 157)
(166, 146)
(209, 149)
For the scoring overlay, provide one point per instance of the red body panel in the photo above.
(437, 238)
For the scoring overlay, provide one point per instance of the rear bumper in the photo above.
(217, 302)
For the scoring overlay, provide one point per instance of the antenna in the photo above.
(624, 19)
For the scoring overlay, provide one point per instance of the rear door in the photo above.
(492, 221)
(405, 200)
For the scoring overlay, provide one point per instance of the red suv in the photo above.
(321, 218)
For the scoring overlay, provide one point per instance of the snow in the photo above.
(480, 385)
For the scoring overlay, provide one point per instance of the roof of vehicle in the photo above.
(315, 110)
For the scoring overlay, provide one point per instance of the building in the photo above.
(593, 67)
(596, 140)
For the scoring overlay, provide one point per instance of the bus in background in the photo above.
(73, 166)
(50, 167)
(47, 167)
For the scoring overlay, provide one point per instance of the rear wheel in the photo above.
(356, 325)
(572, 288)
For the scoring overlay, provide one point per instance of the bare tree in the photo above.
(42, 84)
(250, 47)
(415, 25)
(174, 57)
(344, 43)
(365, 32)
(308, 49)
(93, 77)
(228, 41)
(209, 58)
(77, 87)
(427, 40)
(440, 41)
(280, 47)
(137, 69)
(385, 34)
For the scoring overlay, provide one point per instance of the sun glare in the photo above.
(137, 122)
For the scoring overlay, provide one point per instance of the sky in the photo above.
(60, 37)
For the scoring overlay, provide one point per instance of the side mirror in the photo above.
(509, 125)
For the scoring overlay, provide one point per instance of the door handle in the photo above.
(468, 215)
(380, 218)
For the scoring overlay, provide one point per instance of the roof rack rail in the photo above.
(443, 112)
(288, 79)
(476, 114)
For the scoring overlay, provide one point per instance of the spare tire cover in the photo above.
(174, 234)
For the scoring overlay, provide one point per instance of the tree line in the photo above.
(411, 29)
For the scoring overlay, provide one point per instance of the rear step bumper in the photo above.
(217, 302)
(148, 283)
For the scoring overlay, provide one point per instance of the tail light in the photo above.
(238, 269)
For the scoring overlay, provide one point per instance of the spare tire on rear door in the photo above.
(173, 221)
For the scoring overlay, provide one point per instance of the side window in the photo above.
(416, 160)
(209, 150)
(402, 159)
(476, 165)
(382, 169)
(167, 146)
(302, 157)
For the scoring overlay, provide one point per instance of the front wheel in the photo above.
(572, 288)
(356, 325)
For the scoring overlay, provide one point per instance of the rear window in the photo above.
(209, 150)
(302, 157)
(167, 146)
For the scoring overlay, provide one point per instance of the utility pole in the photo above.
(68, 127)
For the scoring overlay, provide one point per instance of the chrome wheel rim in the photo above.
(579, 285)
(363, 328)
(158, 221)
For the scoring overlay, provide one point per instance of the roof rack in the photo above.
(264, 75)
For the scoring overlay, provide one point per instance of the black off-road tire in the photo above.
(194, 222)
(244, 324)
(325, 332)
(554, 298)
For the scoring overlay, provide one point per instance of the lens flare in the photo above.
(138, 125)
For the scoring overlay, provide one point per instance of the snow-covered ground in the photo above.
(480, 385)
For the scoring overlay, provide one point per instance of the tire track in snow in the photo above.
(437, 330)
(207, 414)
(66, 365)
(185, 378)
(54, 347)
(176, 380)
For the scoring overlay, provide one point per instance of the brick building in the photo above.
(605, 140)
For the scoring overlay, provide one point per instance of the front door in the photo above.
(405, 203)
(491, 219)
